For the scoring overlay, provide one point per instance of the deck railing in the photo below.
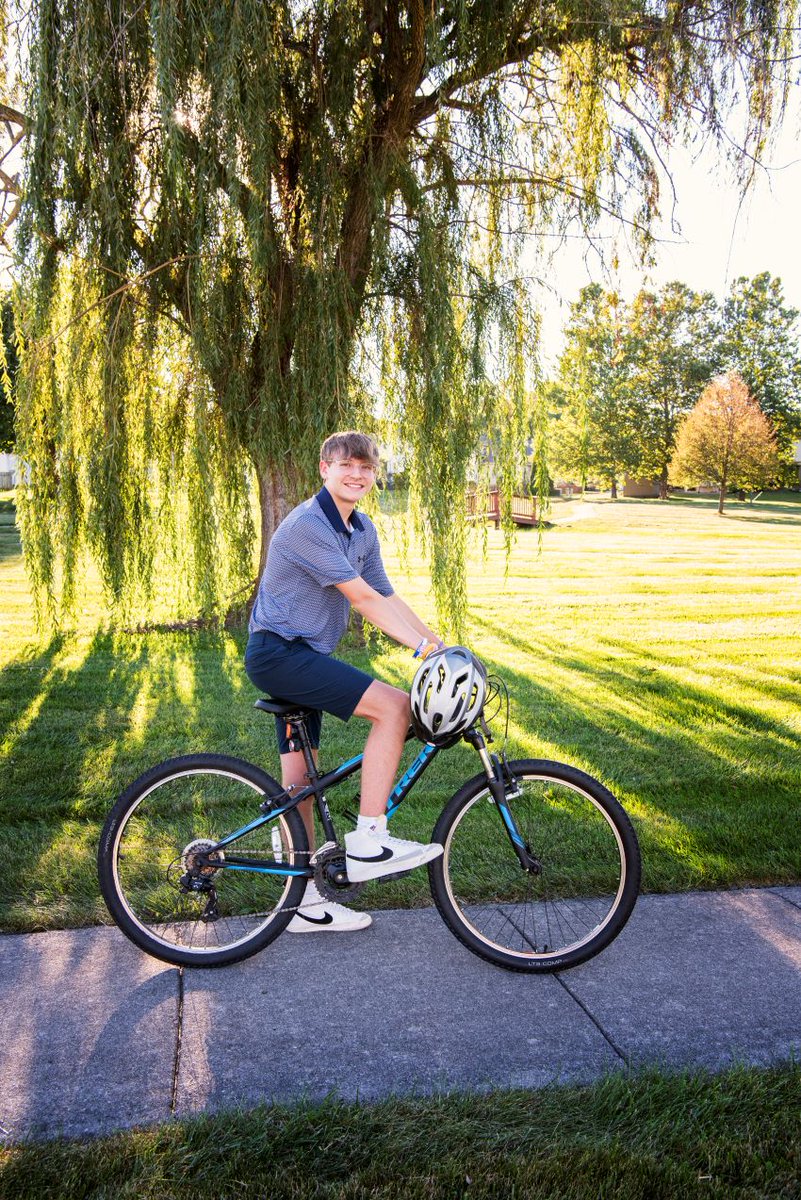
(524, 508)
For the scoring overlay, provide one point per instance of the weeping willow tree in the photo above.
(241, 218)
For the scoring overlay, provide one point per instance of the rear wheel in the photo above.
(578, 887)
(165, 886)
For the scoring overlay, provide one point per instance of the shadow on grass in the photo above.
(784, 510)
(76, 733)
(709, 781)
(758, 518)
(23, 684)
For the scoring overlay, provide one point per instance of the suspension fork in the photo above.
(502, 787)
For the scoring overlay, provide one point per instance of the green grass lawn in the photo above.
(654, 645)
(736, 1136)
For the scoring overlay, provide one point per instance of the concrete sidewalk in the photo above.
(96, 1036)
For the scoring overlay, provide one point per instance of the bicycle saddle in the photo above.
(281, 708)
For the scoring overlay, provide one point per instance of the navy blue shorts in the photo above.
(294, 672)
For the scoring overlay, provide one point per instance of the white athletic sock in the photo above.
(374, 825)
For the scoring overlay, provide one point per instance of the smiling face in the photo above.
(348, 478)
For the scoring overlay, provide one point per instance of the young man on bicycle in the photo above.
(324, 558)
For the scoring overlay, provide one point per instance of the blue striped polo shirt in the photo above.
(311, 551)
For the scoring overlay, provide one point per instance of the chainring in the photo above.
(331, 876)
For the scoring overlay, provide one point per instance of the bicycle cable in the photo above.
(497, 695)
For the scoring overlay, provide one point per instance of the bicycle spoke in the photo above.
(167, 886)
(582, 888)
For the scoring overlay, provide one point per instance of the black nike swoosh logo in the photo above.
(382, 857)
(326, 920)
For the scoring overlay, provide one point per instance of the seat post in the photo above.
(294, 717)
(299, 726)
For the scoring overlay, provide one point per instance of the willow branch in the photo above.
(124, 287)
(387, 139)
(519, 49)
(7, 113)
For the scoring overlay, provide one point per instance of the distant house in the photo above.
(641, 489)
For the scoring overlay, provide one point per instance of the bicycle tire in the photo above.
(584, 844)
(147, 842)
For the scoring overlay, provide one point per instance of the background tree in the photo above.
(761, 339)
(672, 343)
(598, 434)
(8, 375)
(227, 205)
(726, 440)
(12, 131)
(562, 431)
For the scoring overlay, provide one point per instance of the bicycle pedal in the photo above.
(389, 878)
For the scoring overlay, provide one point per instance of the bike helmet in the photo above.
(447, 694)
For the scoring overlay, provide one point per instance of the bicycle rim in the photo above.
(155, 848)
(578, 896)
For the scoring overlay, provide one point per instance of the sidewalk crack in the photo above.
(607, 1037)
(176, 1062)
(786, 899)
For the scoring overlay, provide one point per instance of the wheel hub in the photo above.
(197, 862)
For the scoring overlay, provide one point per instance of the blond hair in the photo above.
(350, 444)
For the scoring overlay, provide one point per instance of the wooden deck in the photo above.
(524, 509)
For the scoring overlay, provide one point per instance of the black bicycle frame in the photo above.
(318, 784)
(317, 788)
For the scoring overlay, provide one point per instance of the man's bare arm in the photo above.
(386, 613)
(411, 616)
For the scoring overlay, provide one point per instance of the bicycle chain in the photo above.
(328, 894)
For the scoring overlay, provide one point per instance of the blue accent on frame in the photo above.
(510, 825)
(226, 841)
(278, 869)
(402, 786)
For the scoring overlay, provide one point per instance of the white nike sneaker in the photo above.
(372, 853)
(317, 915)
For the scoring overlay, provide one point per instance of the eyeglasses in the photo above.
(352, 468)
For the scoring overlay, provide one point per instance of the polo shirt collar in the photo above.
(328, 505)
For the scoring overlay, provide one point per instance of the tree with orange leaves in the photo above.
(725, 440)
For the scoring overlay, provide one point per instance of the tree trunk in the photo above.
(663, 484)
(613, 490)
(279, 491)
(722, 495)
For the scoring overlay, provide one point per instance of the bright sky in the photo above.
(722, 235)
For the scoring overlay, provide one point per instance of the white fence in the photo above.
(8, 471)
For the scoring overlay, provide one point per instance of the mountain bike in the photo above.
(204, 859)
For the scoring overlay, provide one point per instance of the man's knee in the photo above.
(384, 704)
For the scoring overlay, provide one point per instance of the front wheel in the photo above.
(166, 886)
(579, 883)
